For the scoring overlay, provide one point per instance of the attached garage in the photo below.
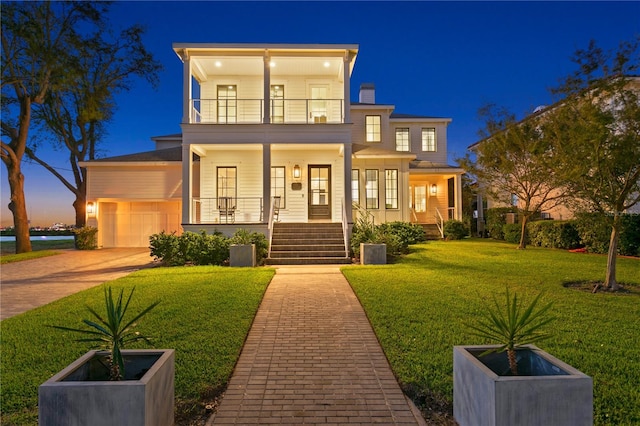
(130, 224)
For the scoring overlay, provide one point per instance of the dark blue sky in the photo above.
(443, 59)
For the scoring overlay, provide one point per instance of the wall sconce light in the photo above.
(91, 208)
(434, 189)
(296, 172)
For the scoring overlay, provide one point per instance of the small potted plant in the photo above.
(514, 382)
(112, 386)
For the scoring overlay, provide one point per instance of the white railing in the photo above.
(282, 111)
(226, 210)
(440, 223)
(345, 228)
(273, 210)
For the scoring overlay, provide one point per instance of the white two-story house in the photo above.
(270, 133)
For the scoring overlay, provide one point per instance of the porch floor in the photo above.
(311, 357)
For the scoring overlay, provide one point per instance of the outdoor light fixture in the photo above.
(296, 172)
(434, 189)
(91, 208)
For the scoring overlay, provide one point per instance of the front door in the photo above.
(319, 192)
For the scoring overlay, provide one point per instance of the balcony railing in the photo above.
(282, 111)
(226, 210)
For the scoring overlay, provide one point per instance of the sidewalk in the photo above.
(311, 357)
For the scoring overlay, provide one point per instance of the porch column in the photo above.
(186, 88)
(187, 191)
(458, 192)
(267, 88)
(347, 182)
(266, 182)
(347, 92)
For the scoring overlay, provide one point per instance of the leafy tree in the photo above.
(515, 159)
(596, 135)
(34, 39)
(76, 114)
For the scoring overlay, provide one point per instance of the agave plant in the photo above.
(111, 332)
(513, 326)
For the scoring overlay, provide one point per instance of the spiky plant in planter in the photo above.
(111, 332)
(512, 326)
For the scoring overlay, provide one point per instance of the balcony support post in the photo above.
(186, 89)
(267, 89)
(346, 107)
(347, 182)
(187, 190)
(266, 182)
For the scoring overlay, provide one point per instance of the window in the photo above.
(372, 128)
(227, 103)
(277, 104)
(355, 186)
(278, 184)
(227, 178)
(402, 140)
(391, 189)
(371, 185)
(429, 139)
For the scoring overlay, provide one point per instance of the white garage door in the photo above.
(131, 224)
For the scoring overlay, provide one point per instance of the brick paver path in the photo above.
(311, 357)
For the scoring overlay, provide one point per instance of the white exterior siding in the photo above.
(136, 182)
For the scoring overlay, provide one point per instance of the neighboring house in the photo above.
(270, 131)
(564, 211)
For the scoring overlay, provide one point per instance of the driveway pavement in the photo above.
(31, 283)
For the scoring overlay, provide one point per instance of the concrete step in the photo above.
(297, 254)
(310, 261)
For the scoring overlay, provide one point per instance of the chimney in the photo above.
(367, 93)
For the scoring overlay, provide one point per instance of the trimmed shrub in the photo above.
(512, 232)
(553, 234)
(242, 236)
(455, 230)
(495, 220)
(629, 244)
(164, 247)
(396, 235)
(408, 233)
(595, 232)
(86, 238)
(190, 248)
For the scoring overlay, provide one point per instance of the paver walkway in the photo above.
(311, 357)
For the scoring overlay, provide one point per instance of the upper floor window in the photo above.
(429, 139)
(278, 184)
(277, 103)
(372, 128)
(227, 103)
(402, 139)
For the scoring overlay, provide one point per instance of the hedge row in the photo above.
(203, 249)
(589, 230)
(396, 235)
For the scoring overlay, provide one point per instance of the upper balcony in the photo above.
(266, 84)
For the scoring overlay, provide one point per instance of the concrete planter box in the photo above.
(242, 255)
(79, 395)
(552, 392)
(373, 254)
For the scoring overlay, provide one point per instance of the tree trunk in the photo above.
(610, 281)
(80, 207)
(18, 207)
(523, 233)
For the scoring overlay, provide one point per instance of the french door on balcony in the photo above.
(277, 103)
(319, 192)
(227, 96)
(319, 101)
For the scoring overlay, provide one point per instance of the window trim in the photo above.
(371, 191)
(393, 189)
(283, 196)
(407, 131)
(374, 129)
(425, 147)
(356, 187)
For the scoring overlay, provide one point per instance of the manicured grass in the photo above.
(419, 305)
(205, 314)
(10, 258)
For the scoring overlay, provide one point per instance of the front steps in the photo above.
(307, 244)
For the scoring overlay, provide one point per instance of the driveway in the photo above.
(31, 283)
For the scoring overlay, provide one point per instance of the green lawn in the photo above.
(419, 305)
(41, 248)
(205, 314)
